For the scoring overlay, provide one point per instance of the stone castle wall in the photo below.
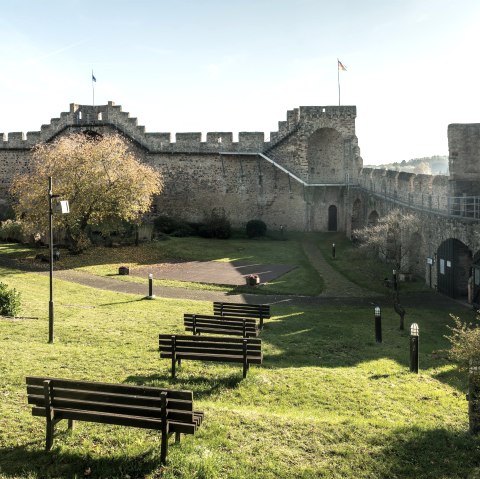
(314, 144)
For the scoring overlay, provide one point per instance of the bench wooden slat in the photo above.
(185, 349)
(110, 388)
(213, 357)
(209, 339)
(62, 403)
(224, 332)
(216, 317)
(36, 393)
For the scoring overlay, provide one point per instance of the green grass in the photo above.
(353, 263)
(328, 402)
(102, 261)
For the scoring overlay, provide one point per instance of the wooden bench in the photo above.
(202, 348)
(201, 323)
(166, 410)
(260, 311)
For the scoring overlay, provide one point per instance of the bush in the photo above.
(9, 301)
(216, 225)
(465, 340)
(165, 224)
(11, 230)
(256, 228)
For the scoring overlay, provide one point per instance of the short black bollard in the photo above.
(333, 250)
(395, 284)
(414, 348)
(378, 324)
(150, 287)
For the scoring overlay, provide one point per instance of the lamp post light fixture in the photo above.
(414, 336)
(150, 287)
(333, 250)
(378, 324)
(63, 208)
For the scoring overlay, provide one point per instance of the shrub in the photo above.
(11, 230)
(9, 301)
(256, 228)
(165, 224)
(465, 340)
(216, 225)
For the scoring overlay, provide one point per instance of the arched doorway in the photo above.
(454, 261)
(332, 218)
(373, 218)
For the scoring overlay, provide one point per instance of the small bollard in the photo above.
(414, 348)
(150, 287)
(395, 285)
(378, 324)
(333, 250)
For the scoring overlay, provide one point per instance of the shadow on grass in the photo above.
(23, 461)
(429, 454)
(345, 336)
(203, 387)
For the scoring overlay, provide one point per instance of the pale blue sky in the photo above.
(179, 66)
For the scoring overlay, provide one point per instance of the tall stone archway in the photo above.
(357, 216)
(416, 258)
(325, 156)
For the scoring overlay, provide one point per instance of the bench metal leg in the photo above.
(245, 359)
(174, 356)
(71, 424)
(177, 437)
(164, 445)
(49, 415)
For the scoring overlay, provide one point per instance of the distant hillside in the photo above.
(430, 165)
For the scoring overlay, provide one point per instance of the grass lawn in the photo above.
(103, 261)
(354, 265)
(328, 402)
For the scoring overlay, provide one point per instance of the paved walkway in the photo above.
(338, 290)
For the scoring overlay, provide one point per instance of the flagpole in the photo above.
(340, 66)
(93, 90)
(338, 82)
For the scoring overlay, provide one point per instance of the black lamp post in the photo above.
(64, 209)
(333, 250)
(395, 284)
(378, 324)
(414, 333)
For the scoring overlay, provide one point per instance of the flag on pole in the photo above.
(93, 78)
(341, 66)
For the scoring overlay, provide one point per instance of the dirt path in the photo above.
(336, 285)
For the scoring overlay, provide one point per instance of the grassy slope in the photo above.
(328, 401)
(105, 261)
(353, 264)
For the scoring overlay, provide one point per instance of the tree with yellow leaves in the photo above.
(100, 176)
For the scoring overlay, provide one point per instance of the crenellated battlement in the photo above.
(88, 116)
